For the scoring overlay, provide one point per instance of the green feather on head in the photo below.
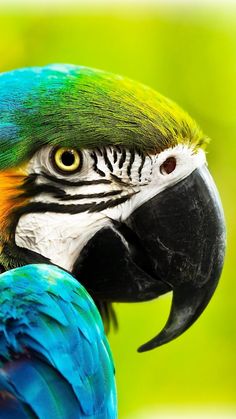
(79, 106)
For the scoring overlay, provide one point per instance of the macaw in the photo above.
(55, 360)
(107, 179)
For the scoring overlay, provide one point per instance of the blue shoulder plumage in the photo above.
(55, 361)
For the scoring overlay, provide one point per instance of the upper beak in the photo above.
(175, 241)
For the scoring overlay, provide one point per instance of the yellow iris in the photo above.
(67, 159)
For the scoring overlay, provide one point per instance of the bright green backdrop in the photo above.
(191, 57)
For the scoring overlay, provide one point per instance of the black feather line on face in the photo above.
(99, 151)
(78, 183)
(95, 162)
(68, 197)
(107, 161)
(111, 203)
(35, 190)
(36, 207)
(114, 156)
(32, 190)
(131, 161)
(141, 166)
(118, 180)
(122, 158)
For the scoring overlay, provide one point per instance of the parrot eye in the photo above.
(66, 160)
(168, 166)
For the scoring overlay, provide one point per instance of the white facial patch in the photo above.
(110, 185)
(186, 162)
(59, 237)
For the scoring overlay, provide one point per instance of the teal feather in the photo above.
(55, 359)
(81, 107)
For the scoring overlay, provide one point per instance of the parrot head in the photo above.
(108, 179)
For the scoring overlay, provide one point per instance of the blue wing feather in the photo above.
(55, 357)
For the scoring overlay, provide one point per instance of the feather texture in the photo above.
(55, 360)
(81, 107)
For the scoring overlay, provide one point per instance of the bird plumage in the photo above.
(55, 360)
(106, 178)
(66, 104)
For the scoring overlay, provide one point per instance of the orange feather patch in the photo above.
(11, 197)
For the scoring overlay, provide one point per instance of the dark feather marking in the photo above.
(107, 161)
(35, 207)
(96, 169)
(94, 195)
(30, 179)
(119, 180)
(131, 160)
(100, 172)
(115, 156)
(141, 166)
(151, 159)
(35, 190)
(99, 151)
(94, 157)
(122, 158)
(78, 183)
(111, 203)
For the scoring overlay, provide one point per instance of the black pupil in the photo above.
(68, 158)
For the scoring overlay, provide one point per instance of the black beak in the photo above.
(175, 241)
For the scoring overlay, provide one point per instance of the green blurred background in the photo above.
(188, 54)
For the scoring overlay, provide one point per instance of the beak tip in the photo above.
(142, 349)
(151, 344)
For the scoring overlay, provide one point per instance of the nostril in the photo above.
(168, 166)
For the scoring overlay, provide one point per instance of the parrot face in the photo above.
(132, 214)
(73, 194)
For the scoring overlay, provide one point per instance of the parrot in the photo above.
(55, 360)
(106, 180)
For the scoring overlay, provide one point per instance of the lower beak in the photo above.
(175, 241)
